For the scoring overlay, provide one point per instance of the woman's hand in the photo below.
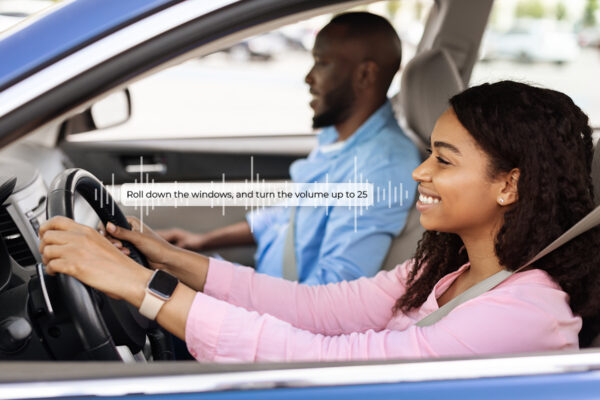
(189, 267)
(155, 248)
(80, 251)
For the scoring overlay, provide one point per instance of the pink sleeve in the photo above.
(494, 323)
(333, 309)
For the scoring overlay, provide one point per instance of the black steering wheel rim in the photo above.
(85, 312)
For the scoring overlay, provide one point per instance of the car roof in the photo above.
(65, 29)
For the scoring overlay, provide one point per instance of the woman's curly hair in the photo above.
(548, 138)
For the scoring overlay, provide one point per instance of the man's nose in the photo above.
(309, 77)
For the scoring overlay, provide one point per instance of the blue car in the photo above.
(72, 82)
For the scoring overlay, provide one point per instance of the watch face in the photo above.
(163, 284)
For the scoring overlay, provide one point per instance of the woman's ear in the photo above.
(509, 192)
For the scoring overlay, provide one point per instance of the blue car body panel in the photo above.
(581, 385)
(64, 30)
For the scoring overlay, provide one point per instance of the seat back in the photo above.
(596, 174)
(404, 245)
(428, 82)
(596, 182)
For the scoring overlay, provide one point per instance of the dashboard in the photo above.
(20, 218)
(29, 328)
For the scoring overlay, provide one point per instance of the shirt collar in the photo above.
(368, 129)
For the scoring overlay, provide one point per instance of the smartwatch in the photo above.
(159, 290)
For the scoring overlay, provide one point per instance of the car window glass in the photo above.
(255, 87)
(555, 44)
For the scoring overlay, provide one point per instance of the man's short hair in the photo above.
(364, 24)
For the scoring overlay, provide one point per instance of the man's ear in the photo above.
(366, 74)
(509, 192)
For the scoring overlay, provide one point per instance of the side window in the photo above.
(253, 88)
(552, 44)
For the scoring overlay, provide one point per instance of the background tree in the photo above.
(589, 13)
(530, 9)
(561, 11)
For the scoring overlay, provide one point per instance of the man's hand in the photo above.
(184, 239)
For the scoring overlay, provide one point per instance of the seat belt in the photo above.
(586, 223)
(289, 267)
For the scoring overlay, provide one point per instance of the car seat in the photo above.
(596, 183)
(428, 82)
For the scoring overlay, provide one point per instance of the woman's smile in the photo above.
(427, 200)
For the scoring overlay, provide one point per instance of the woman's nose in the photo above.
(423, 172)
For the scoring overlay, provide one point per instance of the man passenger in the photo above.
(356, 57)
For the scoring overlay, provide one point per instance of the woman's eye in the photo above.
(438, 158)
(442, 161)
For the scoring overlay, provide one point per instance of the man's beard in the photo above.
(339, 104)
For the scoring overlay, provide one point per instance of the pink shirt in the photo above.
(246, 316)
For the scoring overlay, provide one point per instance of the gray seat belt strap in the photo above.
(472, 292)
(290, 269)
(586, 223)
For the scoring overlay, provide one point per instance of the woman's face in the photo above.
(456, 194)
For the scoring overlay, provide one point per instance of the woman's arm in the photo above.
(531, 316)
(332, 309)
(354, 306)
(189, 267)
(526, 319)
(80, 251)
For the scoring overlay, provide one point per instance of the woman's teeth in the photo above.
(428, 200)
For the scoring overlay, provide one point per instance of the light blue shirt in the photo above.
(329, 246)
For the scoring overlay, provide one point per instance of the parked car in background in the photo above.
(532, 40)
(266, 46)
(589, 37)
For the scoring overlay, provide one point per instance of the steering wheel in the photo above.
(128, 327)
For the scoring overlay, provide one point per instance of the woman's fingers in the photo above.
(62, 224)
(135, 223)
(52, 251)
(123, 234)
(56, 237)
(59, 266)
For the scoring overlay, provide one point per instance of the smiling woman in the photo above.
(511, 168)
(489, 203)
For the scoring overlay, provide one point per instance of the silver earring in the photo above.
(500, 200)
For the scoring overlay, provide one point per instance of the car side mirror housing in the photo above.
(108, 112)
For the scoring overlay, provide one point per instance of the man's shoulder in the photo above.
(390, 145)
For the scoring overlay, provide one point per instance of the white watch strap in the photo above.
(151, 305)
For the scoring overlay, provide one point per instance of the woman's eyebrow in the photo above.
(448, 146)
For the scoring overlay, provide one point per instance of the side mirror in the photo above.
(110, 111)
(113, 110)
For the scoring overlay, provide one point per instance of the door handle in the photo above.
(157, 168)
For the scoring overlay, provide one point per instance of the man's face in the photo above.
(330, 79)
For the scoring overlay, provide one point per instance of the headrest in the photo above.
(596, 174)
(428, 82)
